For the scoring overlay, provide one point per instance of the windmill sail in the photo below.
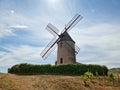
(52, 29)
(49, 48)
(70, 49)
(72, 23)
(77, 49)
(68, 45)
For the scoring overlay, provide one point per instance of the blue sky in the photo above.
(23, 35)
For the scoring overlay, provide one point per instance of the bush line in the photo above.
(69, 69)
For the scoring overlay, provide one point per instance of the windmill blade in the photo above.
(73, 50)
(77, 49)
(72, 23)
(49, 52)
(52, 29)
(49, 48)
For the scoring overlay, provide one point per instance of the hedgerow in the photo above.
(69, 69)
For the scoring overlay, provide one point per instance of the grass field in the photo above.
(53, 82)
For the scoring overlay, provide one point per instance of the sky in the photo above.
(23, 35)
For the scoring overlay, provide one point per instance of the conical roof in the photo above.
(65, 37)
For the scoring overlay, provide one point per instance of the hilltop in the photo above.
(53, 82)
(115, 70)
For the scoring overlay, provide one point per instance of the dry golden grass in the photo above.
(53, 82)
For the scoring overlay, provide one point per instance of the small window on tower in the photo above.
(61, 60)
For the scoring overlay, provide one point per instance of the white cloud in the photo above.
(97, 35)
(5, 31)
(104, 37)
(20, 54)
(9, 21)
(35, 25)
(100, 44)
(19, 26)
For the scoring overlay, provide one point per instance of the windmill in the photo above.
(67, 50)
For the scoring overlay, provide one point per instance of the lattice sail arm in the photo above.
(77, 49)
(73, 49)
(72, 23)
(49, 48)
(52, 29)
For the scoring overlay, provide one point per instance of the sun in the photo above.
(12, 11)
(53, 1)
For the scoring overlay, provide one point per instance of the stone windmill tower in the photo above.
(67, 50)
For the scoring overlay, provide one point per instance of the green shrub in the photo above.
(111, 76)
(69, 69)
(87, 77)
